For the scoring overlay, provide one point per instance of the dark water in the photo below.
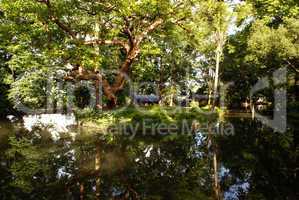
(84, 163)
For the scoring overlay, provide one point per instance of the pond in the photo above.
(50, 157)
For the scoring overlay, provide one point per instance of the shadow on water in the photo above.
(42, 161)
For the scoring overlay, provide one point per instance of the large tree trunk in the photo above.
(97, 94)
(121, 77)
(79, 73)
(124, 69)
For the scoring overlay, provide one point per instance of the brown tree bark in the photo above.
(97, 94)
(161, 81)
(79, 73)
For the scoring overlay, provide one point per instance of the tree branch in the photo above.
(64, 27)
(73, 34)
(108, 42)
(79, 73)
(150, 28)
(88, 11)
(131, 56)
(107, 8)
(127, 30)
(292, 66)
(54, 19)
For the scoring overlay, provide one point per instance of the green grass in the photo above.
(149, 115)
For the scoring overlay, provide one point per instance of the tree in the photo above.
(265, 42)
(75, 32)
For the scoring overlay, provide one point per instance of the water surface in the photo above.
(49, 157)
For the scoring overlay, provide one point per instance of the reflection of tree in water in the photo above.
(261, 160)
(129, 169)
(168, 167)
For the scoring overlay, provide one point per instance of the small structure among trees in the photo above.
(146, 99)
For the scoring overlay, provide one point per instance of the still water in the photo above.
(50, 157)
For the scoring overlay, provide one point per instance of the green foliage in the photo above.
(280, 44)
(26, 163)
(42, 37)
(30, 90)
(266, 41)
(86, 113)
(272, 11)
(38, 40)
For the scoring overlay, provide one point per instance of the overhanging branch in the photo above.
(54, 19)
(150, 28)
(108, 42)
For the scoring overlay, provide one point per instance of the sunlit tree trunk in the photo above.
(210, 90)
(97, 81)
(161, 78)
(97, 94)
(172, 87)
(220, 42)
(171, 100)
(220, 39)
(252, 109)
